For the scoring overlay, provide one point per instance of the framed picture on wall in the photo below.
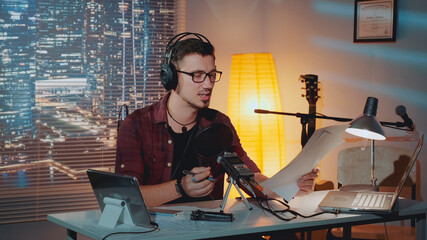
(375, 21)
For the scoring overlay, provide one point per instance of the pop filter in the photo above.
(213, 140)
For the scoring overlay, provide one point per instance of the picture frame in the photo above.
(375, 20)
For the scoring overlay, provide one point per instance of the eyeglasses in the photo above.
(200, 76)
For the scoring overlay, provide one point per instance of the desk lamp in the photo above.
(367, 126)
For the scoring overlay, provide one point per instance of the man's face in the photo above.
(197, 95)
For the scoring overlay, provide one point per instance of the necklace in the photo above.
(184, 126)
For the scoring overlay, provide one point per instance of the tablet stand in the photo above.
(115, 211)
(231, 182)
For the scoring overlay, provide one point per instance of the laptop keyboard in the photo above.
(369, 200)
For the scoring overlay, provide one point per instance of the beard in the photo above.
(199, 105)
(194, 100)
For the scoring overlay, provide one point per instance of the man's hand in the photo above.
(197, 185)
(307, 181)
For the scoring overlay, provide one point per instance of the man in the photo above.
(156, 143)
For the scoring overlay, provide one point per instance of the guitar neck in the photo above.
(311, 94)
(312, 108)
(311, 125)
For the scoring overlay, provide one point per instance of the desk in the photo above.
(246, 222)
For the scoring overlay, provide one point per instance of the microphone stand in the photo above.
(305, 118)
(231, 182)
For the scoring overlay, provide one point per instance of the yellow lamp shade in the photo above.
(253, 84)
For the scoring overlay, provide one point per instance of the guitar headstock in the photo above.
(311, 88)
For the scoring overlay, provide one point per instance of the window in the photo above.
(66, 68)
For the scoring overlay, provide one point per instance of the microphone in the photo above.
(401, 111)
(262, 111)
(242, 174)
(123, 113)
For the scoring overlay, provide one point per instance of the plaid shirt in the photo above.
(145, 147)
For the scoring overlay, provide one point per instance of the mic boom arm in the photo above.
(338, 119)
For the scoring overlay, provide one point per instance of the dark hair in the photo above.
(190, 46)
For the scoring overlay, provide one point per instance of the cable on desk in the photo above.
(287, 209)
(156, 226)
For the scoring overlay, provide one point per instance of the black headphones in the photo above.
(168, 74)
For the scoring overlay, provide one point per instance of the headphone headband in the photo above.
(171, 44)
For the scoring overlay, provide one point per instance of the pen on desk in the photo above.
(186, 172)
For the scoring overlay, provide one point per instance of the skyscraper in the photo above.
(60, 32)
(17, 69)
(135, 36)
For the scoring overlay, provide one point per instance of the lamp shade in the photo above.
(253, 84)
(367, 125)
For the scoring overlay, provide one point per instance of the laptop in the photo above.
(369, 202)
(122, 187)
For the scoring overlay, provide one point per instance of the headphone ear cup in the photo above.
(174, 78)
(164, 74)
(168, 76)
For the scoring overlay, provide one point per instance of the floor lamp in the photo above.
(254, 84)
(367, 126)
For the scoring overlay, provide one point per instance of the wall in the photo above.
(317, 37)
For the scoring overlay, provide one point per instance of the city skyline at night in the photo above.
(66, 69)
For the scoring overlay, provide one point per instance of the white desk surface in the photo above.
(245, 221)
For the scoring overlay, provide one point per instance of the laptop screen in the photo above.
(410, 165)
